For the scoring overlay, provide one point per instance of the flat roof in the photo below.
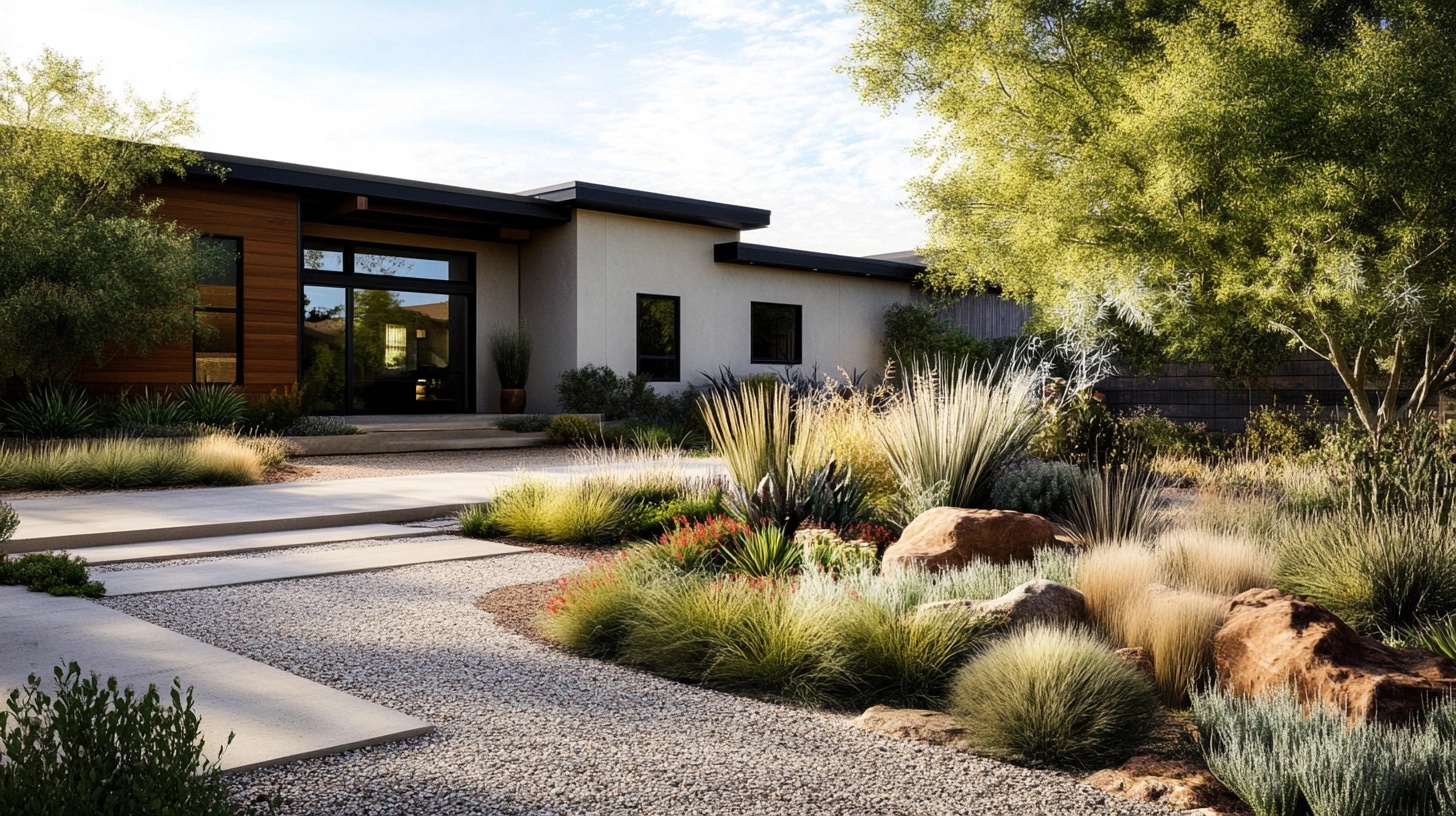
(623, 201)
(298, 176)
(737, 252)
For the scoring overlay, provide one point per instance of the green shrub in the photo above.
(50, 413)
(277, 411)
(825, 551)
(9, 520)
(1390, 575)
(1034, 486)
(949, 432)
(1152, 434)
(1114, 504)
(914, 333)
(680, 625)
(1286, 759)
(594, 389)
(1078, 428)
(525, 423)
(510, 350)
(903, 658)
(592, 510)
(60, 575)
(320, 426)
(653, 436)
(216, 406)
(780, 644)
(1054, 697)
(1272, 431)
(1411, 472)
(148, 410)
(570, 429)
(96, 748)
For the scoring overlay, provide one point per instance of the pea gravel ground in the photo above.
(527, 729)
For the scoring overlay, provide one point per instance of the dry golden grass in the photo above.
(1215, 562)
(228, 460)
(845, 422)
(1114, 578)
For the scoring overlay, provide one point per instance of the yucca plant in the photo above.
(948, 433)
(766, 552)
(216, 406)
(49, 413)
(1440, 637)
(1114, 504)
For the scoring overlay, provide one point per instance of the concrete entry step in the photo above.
(232, 571)
(277, 717)
(228, 544)
(414, 442)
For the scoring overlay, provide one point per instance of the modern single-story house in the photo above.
(379, 294)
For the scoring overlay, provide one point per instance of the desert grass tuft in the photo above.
(1214, 562)
(904, 659)
(217, 459)
(1054, 697)
(1112, 505)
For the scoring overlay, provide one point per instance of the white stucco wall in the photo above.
(619, 257)
(497, 294)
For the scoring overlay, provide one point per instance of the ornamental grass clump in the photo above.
(217, 459)
(1388, 575)
(1114, 504)
(1214, 562)
(949, 432)
(600, 508)
(1285, 758)
(592, 610)
(1053, 697)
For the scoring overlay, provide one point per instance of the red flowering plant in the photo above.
(696, 546)
(590, 610)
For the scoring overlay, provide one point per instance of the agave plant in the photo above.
(829, 496)
(764, 553)
(217, 406)
(149, 410)
(52, 412)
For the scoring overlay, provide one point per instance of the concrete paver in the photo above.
(232, 571)
(276, 717)
(226, 545)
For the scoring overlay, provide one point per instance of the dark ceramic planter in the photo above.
(513, 401)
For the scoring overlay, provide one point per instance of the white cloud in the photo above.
(730, 101)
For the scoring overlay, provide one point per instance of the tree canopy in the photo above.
(86, 269)
(1226, 176)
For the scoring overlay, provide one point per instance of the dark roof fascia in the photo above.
(737, 252)
(622, 201)
(303, 177)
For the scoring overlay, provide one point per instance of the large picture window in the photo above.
(658, 352)
(777, 331)
(386, 330)
(216, 345)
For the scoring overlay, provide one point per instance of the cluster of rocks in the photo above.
(1267, 642)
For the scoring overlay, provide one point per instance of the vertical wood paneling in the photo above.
(267, 221)
(986, 316)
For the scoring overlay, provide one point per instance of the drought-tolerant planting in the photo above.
(780, 591)
(109, 463)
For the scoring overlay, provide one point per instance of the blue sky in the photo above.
(728, 100)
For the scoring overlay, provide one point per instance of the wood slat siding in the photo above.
(267, 221)
(986, 316)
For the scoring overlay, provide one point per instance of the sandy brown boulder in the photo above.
(916, 724)
(1270, 641)
(1176, 784)
(1138, 658)
(1036, 601)
(950, 537)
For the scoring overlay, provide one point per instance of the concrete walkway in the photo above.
(234, 571)
(68, 522)
(277, 717)
(230, 544)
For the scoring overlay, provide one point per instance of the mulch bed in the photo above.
(517, 608)
(288, 473)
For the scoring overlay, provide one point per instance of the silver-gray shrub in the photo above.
(1034, 486)
(1284, 761)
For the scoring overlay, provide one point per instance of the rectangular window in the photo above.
(777, 334)
(218, 341)
(658, 354)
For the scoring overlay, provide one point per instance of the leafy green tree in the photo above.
(1219, 174)
(86, 269)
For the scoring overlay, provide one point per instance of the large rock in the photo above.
(1036, 601)
(916, 724)
(1173, 783)
(1271, 641)
(950, 537)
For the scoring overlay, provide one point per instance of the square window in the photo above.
(777, 334)
(658, 353)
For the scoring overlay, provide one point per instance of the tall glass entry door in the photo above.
(395, 341)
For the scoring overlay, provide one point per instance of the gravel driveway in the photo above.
(525, 729)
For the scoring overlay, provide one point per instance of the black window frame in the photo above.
(798, 355)
(676, 356)
(236, 310)
(350, 281)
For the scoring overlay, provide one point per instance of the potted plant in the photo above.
(511, 349)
